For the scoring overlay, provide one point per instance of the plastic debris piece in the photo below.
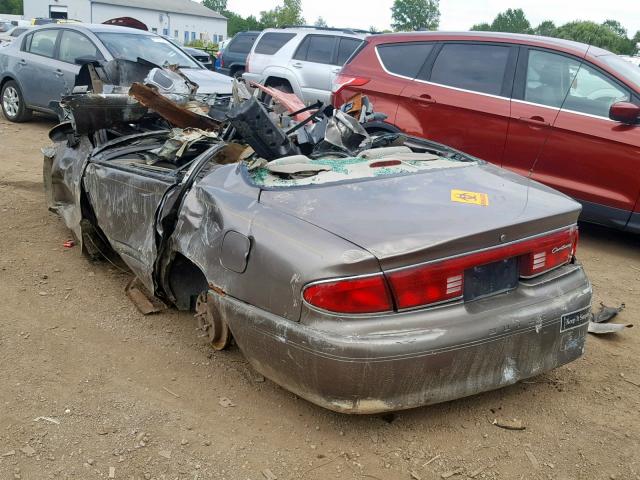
(144, 300)
(269, 475)
(605, 328)
(509, 424)
(69, 244)
(607, 313)
(47, 419)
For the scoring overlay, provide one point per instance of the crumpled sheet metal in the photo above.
(289, 101)
(91, 112)
(125, 208)
(222, 201)
(180, 140)
(64, 190)
(344, 131)
(175, 114)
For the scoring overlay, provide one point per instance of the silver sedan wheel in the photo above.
(11, 101)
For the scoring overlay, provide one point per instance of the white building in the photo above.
(185, 20)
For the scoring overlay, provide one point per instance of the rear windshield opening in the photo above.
(300, 170)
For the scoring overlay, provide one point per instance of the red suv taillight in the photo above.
(368, 294)
(438, 281)
(341, 81)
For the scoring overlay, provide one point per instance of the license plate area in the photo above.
(490, 279)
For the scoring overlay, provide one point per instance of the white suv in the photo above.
(302, 60)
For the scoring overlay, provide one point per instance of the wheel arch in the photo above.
(184, 281)
(7, 78)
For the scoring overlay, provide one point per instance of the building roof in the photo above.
(185, 7)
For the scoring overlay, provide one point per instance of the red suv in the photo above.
(565, 113)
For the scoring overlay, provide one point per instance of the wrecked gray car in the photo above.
(363, 273)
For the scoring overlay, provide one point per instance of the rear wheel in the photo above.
(13, 106)
(238, 73)
(210, 321)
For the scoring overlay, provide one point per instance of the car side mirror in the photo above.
(625, 112)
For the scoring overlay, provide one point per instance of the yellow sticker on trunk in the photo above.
(475, 198)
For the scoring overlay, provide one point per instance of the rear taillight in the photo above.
(442, 281)
(354, 295)
(549, 252)
(428, 284)
(341, 81)
(438, 281)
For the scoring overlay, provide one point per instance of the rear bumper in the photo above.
(446, 353)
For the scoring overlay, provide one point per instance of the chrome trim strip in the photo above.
(490, 95)
(428, 306)
(472, 252)
(524, 102)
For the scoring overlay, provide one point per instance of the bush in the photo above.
(209, 47)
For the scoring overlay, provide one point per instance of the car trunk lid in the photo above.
(410, 219)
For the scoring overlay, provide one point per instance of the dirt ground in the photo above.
(90, 388)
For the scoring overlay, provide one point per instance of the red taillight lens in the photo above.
(549, 252)
(342, 81)
(354, 295)
(443, 281)
(438, 281)
(428, 284)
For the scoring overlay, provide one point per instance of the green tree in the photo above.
(546, 29)
(11, 7)
(512, 21)
(598, 35)
(219, 6)
(415, 14)
(616, 27)
(481, 27)
(236, 23)
(321, 22)
(289, 13)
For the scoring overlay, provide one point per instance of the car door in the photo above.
(125, 198)
(74, 49)
(462, 98)
(542, 82)
(314, 64)
(36, 68)
(588, 156)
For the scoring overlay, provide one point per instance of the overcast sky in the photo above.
(455, 14)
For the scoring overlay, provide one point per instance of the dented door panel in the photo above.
(125, 205)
